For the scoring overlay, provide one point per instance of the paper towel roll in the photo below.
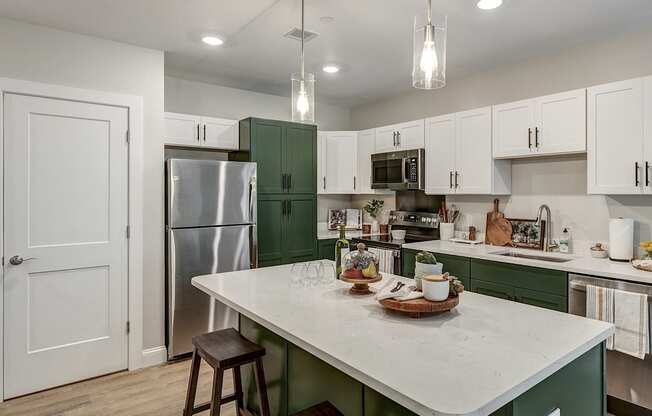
(621, 239)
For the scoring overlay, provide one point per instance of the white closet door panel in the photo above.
(66, 211)
(473, 159)
(561, 123)
(440, 154)
(615, 137)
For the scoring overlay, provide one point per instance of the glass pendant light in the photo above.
(429, 59)
(303, 87)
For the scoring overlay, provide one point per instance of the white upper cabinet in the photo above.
(366, 147)
(182, 129)
(561, 123)
(647, 140)
(337, 162)
(459, 155)
(617, 144)
(220, 133)
(550, 125)
(403, 136)
(440, 154)
(191, 130)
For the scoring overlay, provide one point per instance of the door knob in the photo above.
(17, 260)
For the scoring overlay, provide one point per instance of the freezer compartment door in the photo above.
(194, 252)
(209, 192)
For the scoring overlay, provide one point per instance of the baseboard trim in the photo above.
(155, 356)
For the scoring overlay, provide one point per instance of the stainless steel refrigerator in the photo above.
(211, 228)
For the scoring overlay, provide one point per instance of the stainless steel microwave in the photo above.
(401, 170)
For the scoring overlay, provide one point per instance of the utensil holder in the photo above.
(446, 230)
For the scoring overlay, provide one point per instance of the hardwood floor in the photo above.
(159, 391)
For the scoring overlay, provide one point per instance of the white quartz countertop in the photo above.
(577, 264)
(470, 361)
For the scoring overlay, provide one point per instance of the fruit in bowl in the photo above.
(647, 246)
(360, 264)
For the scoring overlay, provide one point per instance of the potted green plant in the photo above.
(425, 265)
(374, 208)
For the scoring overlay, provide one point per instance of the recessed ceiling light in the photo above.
(331, 69)
(327, 19)
(489, 4)
(212, 40)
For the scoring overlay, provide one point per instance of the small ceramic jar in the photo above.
(436, 287)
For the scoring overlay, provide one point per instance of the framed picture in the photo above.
(527, 233)
(350, 218)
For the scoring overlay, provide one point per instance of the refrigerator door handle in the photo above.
(253, 200)
(253, 243)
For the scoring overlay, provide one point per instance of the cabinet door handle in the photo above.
(647, 173)
(529, 138)
(289, 207)
(394, 138)
(197, 132)
(450, 179)
(398, 138)
(283, 181)
(204, 133)
(456, 175)
(536, 137)
(289, 181)
(283, 208)
(324, 183)
(636, 173)
(354, 183)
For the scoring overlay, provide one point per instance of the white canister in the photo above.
(435, 287)
(621, 239)
(425, 269)
(446, 230)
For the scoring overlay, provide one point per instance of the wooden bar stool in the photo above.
(223, 350)
(321, 409)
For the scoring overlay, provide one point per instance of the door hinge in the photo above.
(127, 136)
(128, 231)
(128, 327)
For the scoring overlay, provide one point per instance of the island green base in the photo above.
(297, 380)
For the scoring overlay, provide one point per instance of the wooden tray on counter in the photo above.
(416, 308)
(361, 286)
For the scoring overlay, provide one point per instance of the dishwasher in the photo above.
(629, 380)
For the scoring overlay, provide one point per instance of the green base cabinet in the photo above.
(297, 380)
(327, 249)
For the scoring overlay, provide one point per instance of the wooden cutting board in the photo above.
(499, 229)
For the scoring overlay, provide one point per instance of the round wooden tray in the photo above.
(418, 307)
(639, 267)
(361, 286)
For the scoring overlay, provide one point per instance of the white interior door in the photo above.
(473, 160)
(513, 129)
(220, 133)
(440, 154)
(561, 123)
(65, 206)
(615, 138)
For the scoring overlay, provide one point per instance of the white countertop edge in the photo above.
(629, 273)
(396, 396)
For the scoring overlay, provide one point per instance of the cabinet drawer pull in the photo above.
(529, 138)
(536, 137)
(636, 181)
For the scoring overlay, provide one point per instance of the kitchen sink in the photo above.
(534, 257)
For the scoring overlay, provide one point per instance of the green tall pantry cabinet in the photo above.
(286, 154)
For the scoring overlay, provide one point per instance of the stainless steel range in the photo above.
(419, 226)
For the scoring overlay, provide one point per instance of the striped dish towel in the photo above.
(600, 306)
(631, 318)
(385, 259)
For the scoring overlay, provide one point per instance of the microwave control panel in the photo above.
(412, 168)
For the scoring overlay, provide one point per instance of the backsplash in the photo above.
(561, 184)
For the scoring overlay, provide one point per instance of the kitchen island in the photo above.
(487, 356)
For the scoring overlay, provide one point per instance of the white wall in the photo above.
(45, 55)
(184, 96)
(558, 182)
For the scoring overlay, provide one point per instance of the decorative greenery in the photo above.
(374, 207)
(425, 257)
(456, 286)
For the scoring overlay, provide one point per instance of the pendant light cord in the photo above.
(429, 12)
(302, 38)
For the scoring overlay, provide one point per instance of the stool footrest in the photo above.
(205, 406)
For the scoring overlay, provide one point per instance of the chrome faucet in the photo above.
(547, 244)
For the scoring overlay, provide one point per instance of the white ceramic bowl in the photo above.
(398, 234)
(435, 290)
(423, 269)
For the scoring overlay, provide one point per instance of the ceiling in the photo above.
(370, 39)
